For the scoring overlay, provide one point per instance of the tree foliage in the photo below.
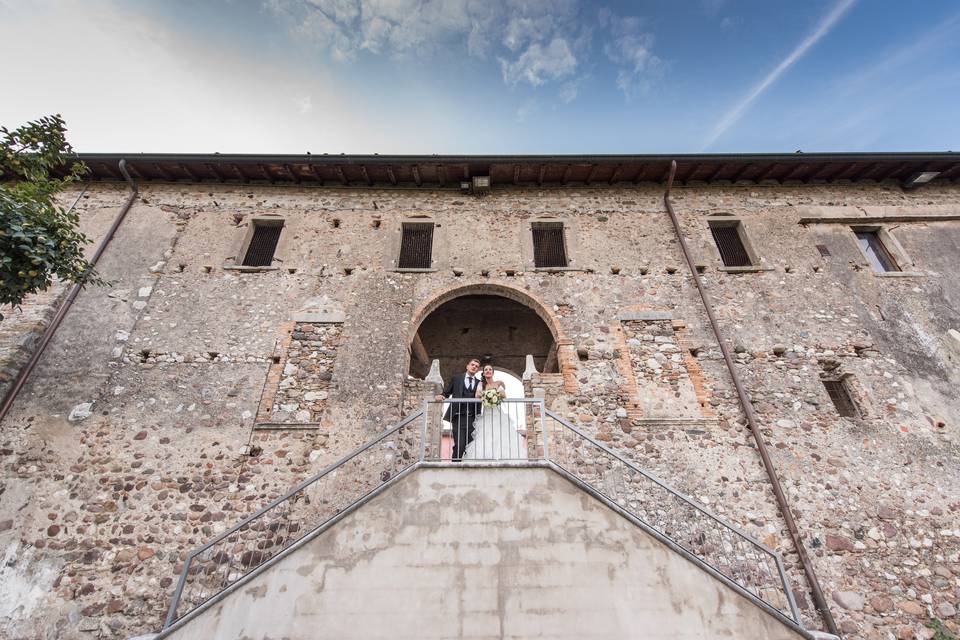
(39, 239)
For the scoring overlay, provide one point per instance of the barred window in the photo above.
(549, 248)
(840, 395)
(416, 246)
(263, 243)
(730, 243)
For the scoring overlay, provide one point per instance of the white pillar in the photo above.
(434, 375)
(530, 369)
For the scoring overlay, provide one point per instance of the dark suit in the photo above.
(461, 414)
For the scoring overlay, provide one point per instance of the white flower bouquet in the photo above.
(491, 398)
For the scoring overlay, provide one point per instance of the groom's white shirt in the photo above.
(468, 381)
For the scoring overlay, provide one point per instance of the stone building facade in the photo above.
(194, 389)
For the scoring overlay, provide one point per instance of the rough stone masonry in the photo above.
(190, 392)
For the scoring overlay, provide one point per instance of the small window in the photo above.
(549, 249)
(416, 246)
(263, 244)
(840, 395)
(877, 254)
(730, 243)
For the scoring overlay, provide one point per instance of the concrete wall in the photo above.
(178, 357)
(484, 553)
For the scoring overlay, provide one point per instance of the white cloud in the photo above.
(539, 63)
(631, 48)
(821, 30)
(188, 95)
(536, 41)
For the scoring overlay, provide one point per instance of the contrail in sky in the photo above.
(732, 116)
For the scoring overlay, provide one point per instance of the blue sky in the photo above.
(487, 76)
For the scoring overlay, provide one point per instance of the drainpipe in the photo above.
(51, 329)
(818, 597)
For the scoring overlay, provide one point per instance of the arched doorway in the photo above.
(497, 324)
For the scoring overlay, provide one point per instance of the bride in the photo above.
(495, 435)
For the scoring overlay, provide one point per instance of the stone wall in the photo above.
(172, 367)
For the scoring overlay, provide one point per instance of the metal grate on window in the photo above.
(840, 396)
(416, 247)
(549, 250)
(262, 245)
(824, 250)
(732, 251)
(877, 254)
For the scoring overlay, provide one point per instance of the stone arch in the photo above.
(521, 310)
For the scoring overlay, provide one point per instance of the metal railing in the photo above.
(286, 521)
(747, 563)
(518, 430)
(524, 429)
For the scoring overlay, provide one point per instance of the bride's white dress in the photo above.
(495, 437)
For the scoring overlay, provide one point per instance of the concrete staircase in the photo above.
(483, 551)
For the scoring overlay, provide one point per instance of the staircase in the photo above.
(656, 512)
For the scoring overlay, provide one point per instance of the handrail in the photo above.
(790, 611)
(276, 528)
(660, 482)
(259, 556)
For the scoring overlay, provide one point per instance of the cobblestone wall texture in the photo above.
(137, 438)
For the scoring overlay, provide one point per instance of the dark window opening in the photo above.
(728, 240)
(877, 254)
(840, 395)
(824, 250)
(549, 250)
(262, 245)
(416, 247)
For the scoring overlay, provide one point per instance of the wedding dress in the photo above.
(495, 436)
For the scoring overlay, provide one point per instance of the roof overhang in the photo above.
(434, 171)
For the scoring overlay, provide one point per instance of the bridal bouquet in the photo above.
(491, 398)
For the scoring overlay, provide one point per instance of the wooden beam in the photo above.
(441, 175)
(797, 170)
(316, 174)
(113, 172)
(134, 172)
(216, 172)
(186, 170)
(615, 174)
(820, 173)
(366, 176)
(516, 174)
(766, 174)
(163, 172)
(566, 171)
(391, 175)
(713, 174)
(416, 174)
(739, 174)
(842, 175)
(341, 175)
(593, 168)
(266, 174)
(897, 168)
(239, 171)
(543, 169)
(665, 176)
(641, 174)
(293, 174)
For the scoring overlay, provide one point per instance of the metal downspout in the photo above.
(747, 405)
(51, 329)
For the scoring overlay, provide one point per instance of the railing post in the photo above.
(545, 430)
(423, 431)
(175, 603)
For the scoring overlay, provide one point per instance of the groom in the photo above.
(462, 414)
